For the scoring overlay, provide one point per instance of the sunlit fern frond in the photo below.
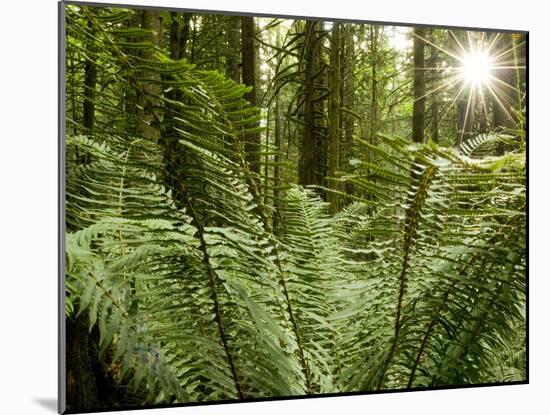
(444, 270)
(224, 275)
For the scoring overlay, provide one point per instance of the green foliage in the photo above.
(447, 244)
(170, 249)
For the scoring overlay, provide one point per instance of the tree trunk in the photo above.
(174, 36)
(184, 35)
(234, 49)
(373, 117)
(266, 158)
(334, 117)
(435, 120)
(277, 160)
(347, 80)
(90, 80)
(82, 392)
(465, 107)
(252, 145)
(520, 58)
(179, 32)
(308, 145)
(464, 111)
(435, 80)
(179, 35)
(146, 113)
(503, 116)
(419, 86)
(72, 88)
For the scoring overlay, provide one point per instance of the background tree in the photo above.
(419, 86)
(248, 32)
(334, 115)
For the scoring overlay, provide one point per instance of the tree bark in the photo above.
(146, 113)
(373, 116)
(435, 120)
(503, 116)
(434, 84)
(520, 60)
(252, 145)
(347, 82)
(308, 149)
(184, 35)
(90, 80)
(266, 158)
(334, 117)
(234, 49)
(174, 36)
(277, 160)
(179, 34)
(82, 391)
(465, 117)
(419, 86)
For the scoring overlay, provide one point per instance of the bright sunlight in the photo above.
(476, 67)
(478, 59)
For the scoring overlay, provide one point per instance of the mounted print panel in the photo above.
(269, 207)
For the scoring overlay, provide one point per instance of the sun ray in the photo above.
(493, 42)
(466, 115)
(448, 83)
(469, 36)
(507, 51)
(464, 85)
(483, 104)
(482, 40)
(438, 68)
(457, 41)
(452, 55)
(509, 67)
(504, 83)
(498, 100)
(471, 74)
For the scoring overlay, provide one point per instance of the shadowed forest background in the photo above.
(262, 207)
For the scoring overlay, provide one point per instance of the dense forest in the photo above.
(260, 207)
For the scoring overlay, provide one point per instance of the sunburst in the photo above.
(476, 67)
(478, 62)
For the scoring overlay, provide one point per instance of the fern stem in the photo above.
(435, 317)
(253, 186)
(120, 198)
(305, 367)
(411, 225)
(256, 194)
(108, 295)
(282, 281)
(422, 347)
(134, 80)
(213, 283)
(469, 334)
